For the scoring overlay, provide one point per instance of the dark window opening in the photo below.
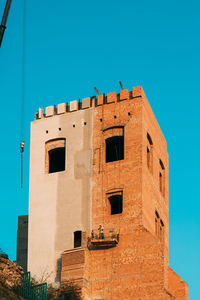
(77, 239)
(149, 139)
(160, 178)
(159, 226)
(148, 157)
(149, 153)
(114, 148)
(161, 230)
(57, 160)
(162, 165)
(116, 204)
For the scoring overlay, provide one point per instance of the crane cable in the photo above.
(4, 20)
(22, 142)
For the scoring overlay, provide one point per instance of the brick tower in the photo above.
(102, 162)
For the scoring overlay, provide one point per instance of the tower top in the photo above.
(89, 102)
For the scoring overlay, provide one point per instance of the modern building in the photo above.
(98, 203)
(22, 241)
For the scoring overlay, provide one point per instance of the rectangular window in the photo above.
(116, 203)
(77, 239)
(114, 148)
(55, 155)
(57, 160)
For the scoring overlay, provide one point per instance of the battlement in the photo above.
(89, 102)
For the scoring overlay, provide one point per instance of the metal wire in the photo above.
(23, 87)
(23, 70)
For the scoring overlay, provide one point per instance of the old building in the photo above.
(101, 161)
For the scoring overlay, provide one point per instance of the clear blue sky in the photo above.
(72, 46)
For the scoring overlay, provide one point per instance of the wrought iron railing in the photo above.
(35, 292)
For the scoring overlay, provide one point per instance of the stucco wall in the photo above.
(59, 203)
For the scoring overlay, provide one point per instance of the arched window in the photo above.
(115, 204)
(55, 155)
(77, 238)
(114, 143)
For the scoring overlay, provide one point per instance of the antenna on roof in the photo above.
(97, 91)
(121, 85)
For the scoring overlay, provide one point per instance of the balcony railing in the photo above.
(103, 240)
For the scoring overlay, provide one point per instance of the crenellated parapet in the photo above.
(89, 102)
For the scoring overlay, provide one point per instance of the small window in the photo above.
(157, 218)
(148, 157)
(161, 230)
(77, 239)
(159, 226)
(149, 153)
(149, 139)
(162, 165)
(162, 178)
(55, 155)
(115, 204)
(57, 160)
(114, 148)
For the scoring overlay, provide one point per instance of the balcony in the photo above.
(107, 239)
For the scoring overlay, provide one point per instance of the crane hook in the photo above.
(22, 144)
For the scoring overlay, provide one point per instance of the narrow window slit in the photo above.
(77, 239)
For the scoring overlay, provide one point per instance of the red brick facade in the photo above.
(136, 267)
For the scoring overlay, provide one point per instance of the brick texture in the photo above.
(137, 267)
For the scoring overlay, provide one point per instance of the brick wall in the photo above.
(137, 268)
